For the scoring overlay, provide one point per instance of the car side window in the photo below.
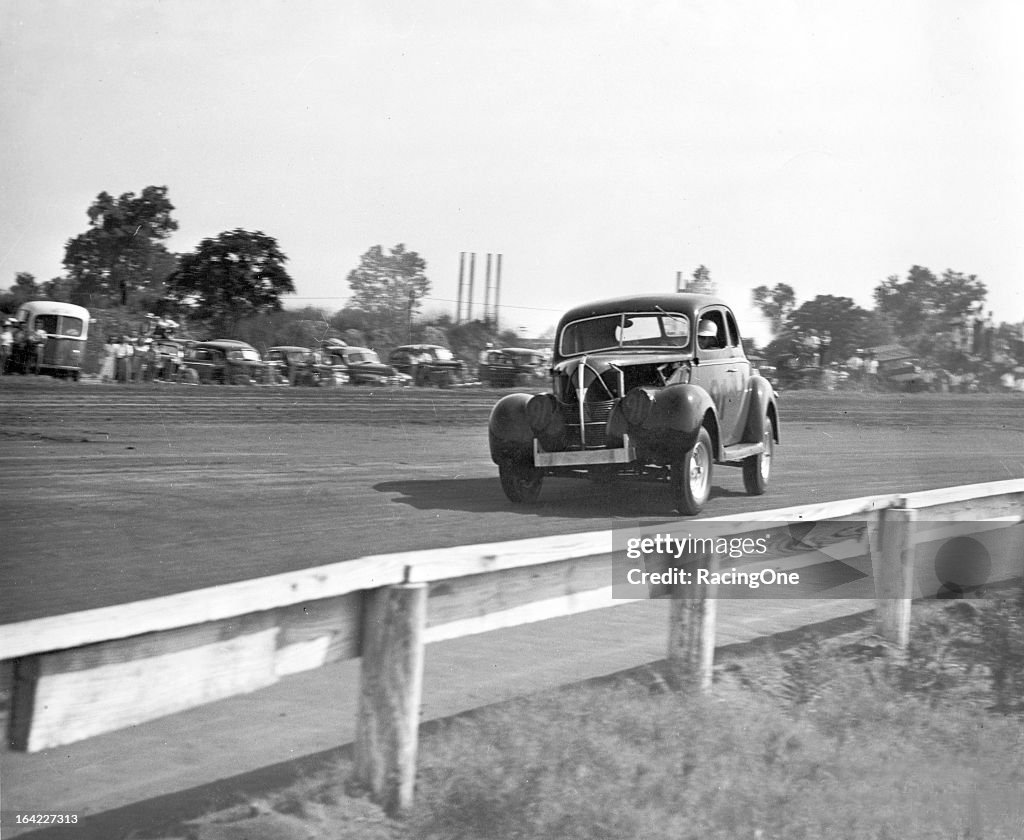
(734, 332)
(711, 331)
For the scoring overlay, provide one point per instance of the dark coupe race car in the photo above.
(654, 386)
(511, 366)
(225, 362)
(364, 366)
(428, 364)
(302, 366)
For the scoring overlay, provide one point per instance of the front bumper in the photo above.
(626, 454)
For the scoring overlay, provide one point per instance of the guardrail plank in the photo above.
(199, 605)
(68, 695)
(478, 595)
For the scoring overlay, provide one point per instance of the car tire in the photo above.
(521, 482)
(757, 468)
(691, 476)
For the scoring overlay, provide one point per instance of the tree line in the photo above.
(935, 317)
(234, 284)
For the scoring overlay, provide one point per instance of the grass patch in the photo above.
(831, 739)
(836, 738)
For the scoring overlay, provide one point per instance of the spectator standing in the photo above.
(871, 367)
(6, 346)
(38, 345)
(145, 356)
(856, 365)
(137, 357)
(123, 352)
(107, 366)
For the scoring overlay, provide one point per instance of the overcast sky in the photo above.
(599, 146)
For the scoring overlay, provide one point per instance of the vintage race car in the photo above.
(223, 362)
(428, 364)
(511, 366)
(364, 367)
(653, 386)
(303, 366)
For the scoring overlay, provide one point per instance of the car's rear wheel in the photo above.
(757, 469)
(521, 482)
(691, 476)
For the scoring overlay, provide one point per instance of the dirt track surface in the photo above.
(119, 493)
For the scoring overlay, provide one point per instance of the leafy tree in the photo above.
(389, 287)
(775, 304)
(121, 251)
(839, 317)
(924, 307)
(237, 274)
(24, 288)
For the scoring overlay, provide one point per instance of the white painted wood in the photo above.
(71, 703)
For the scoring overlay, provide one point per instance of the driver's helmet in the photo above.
(707, 329)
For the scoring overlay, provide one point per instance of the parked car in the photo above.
(428, 364)
(303, 366)
(224, 362)
(651, 386)
(364, 367)
(502, 368)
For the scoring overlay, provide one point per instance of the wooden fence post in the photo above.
(391, 688)
(892, 545)
(691, 631)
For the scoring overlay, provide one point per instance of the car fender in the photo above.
(676, 416)
(680, 408)
(509, 432)
(761, 409)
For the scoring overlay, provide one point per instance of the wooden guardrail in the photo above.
(78, 675)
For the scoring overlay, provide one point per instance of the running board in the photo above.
(741, 451)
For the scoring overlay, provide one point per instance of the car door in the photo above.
(737, 389)
(721, 368)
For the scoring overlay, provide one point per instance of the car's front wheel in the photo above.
(757, 469)
(691, 476)
(521, 482)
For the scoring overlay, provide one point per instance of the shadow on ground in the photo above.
(560, 497)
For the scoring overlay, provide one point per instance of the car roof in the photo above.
(290, 347)
(518, 351)
(225, 344)
(421, 347)
(684, 303)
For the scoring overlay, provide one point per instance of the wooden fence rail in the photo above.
(78, 675)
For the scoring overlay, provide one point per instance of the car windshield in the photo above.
(633, 330)
(362, 357)
(248, 354)
(442, 354)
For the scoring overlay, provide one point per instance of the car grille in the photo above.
(594, 434)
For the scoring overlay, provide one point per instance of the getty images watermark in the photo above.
(829, 559)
